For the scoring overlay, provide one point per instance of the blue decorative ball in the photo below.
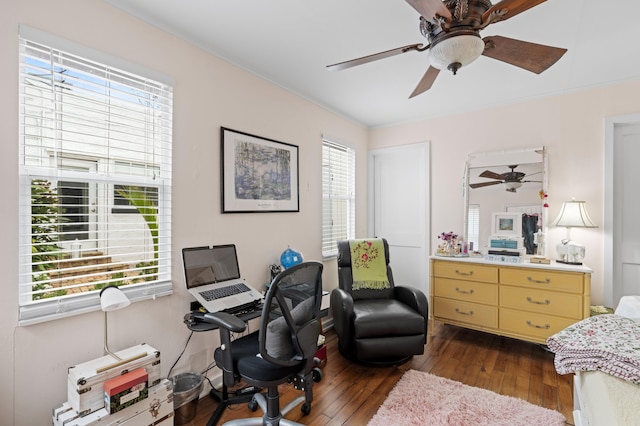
(290, 257)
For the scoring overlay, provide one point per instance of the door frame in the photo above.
(610, 124)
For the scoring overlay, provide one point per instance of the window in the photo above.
(95, 141)
(338, 195)
(473, 226)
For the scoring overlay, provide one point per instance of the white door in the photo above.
(399, 210)
(79, 200)
(622, 208)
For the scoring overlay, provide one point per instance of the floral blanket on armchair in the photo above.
(609, 343)
(368, 264)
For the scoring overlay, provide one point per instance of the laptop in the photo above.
(213, 278)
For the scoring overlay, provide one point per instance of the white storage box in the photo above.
(501, 242)
(157, 409)
(85, 382)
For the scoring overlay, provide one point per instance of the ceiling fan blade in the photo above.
(507, 9)
(481, 184)
(431, 9)
(491, 175)
(426, 82)
(529, 56)
(376, 56)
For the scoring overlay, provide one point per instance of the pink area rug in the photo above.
(424, 399)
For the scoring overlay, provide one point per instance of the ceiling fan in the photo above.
(512, 180)
(453, 27)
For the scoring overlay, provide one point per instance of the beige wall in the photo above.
(209, 93)
(571, 126)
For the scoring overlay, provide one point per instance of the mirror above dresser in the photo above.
(504, 197)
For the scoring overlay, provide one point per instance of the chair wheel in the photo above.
(316, 373)
(252, 405)
(306, 408)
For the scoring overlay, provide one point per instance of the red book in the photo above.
(125, 390)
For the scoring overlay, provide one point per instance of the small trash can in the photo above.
(186, 392)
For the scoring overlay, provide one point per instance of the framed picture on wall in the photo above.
(259, 175)
(506, 224)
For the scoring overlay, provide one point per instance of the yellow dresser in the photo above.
(525, 301)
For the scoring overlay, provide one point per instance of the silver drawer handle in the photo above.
(463, 291)
(546, 280)
(464, 313)
(543, 327)
(537, 302)
(464, 273)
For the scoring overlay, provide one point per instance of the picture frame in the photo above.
(258, 175)
(506, 224)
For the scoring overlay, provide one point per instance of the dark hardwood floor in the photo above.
(350, 394)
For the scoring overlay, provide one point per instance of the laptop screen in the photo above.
(206, 265)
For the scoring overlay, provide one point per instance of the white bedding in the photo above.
(606, 400)
(629, 306)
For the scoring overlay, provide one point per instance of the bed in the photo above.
(603, 354)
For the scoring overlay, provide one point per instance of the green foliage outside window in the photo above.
(146, 206)
(44, 248)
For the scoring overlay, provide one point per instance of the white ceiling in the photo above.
(290, 42)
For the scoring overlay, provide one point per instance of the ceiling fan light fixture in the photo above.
(512, 186)
(455, 52)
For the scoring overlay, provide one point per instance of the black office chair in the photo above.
(377, 327)
(281, 351)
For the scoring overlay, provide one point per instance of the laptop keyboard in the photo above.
(218, 293)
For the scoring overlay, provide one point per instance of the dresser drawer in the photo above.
(542, 279)
(466, 271)
(538, 326)
(471, 313)
(469, 291)
(546, 302)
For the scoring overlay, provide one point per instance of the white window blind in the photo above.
(338, 195)
(95, 183)
(473, 226)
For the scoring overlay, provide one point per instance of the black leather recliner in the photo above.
(377, 327)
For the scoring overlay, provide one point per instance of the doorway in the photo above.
(78, 207)
(622, 205)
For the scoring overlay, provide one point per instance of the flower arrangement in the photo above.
(449, 245)
(448, 236)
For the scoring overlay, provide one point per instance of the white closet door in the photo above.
(623, 213)
(399, 209)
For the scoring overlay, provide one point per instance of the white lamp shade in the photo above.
(112, 298)
(513, 185)
(574, 215)
(463, 49)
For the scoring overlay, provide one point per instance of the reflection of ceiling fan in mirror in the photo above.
(512, 180)
(452, 28)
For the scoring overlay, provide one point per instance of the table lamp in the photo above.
(112, 299)
(573, 214)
